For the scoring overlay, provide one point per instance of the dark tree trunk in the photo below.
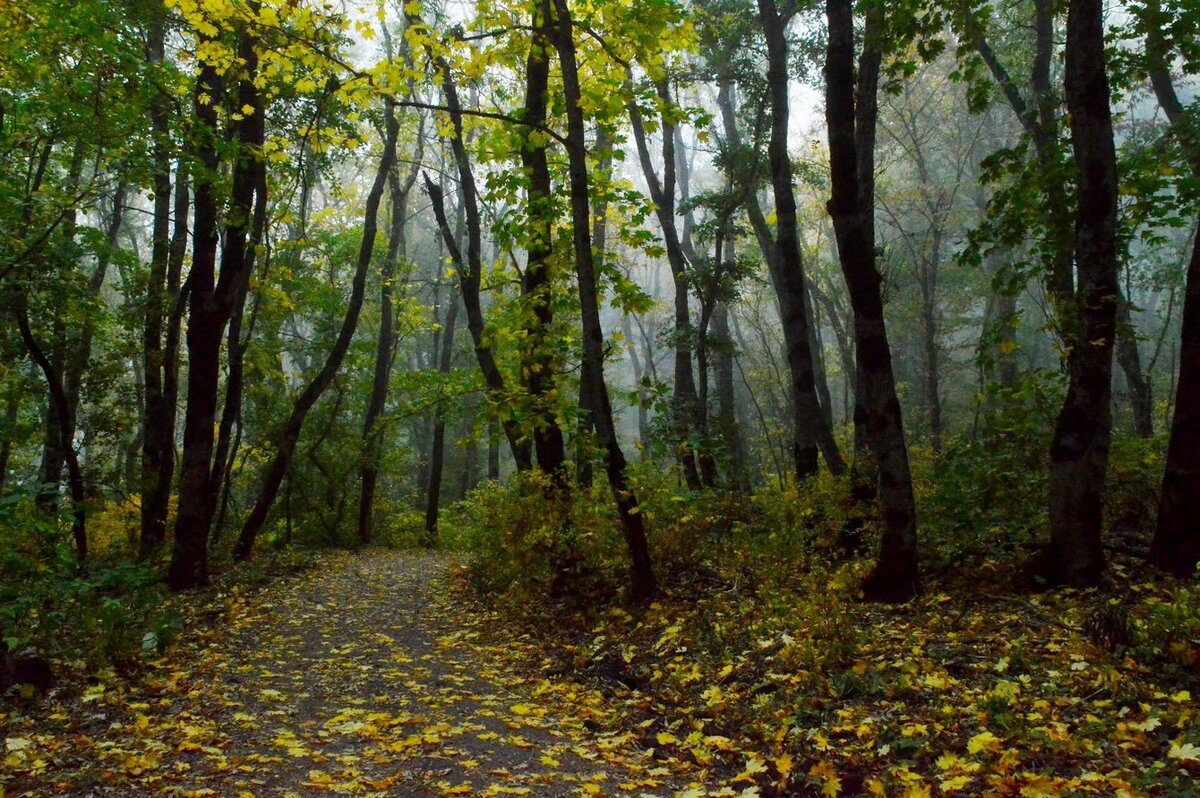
(290, 433)
(385, 343)
(635, 363)
(470, 268)
(1079, 451)
(585, 426)
(850, 114)
(782, 253)
(1041, 124)
(158, 445)
(58, 436)
(1176, 545)
(437, 456)
(538, 359)
(225, 453)
(58, 399)
(727, 424)
(189, 557)
(816, 346)
(641, 571)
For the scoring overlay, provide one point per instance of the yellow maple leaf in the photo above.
(984, 741)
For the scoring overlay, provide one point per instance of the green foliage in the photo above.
(985, 497)
(109, 615)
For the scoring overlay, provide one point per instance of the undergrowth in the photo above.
(759, 659)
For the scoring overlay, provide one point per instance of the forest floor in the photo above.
(381, 673)
(357, 675)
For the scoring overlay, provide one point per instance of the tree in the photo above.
(850, 113)
(1079, 451)
(289, 433)
(784, 260)
(642, 584)
(211, 299)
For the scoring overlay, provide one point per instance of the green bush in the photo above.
(107, 614)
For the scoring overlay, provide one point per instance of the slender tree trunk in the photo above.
(158, 445)
(59, 399)
(59, 436)
(929, 345)
(686, 405)
(231, 413)
(641, 571)
(470, 268)
(727, 423)
(850, 114)
(1129, 358)
(782, 253)
(815, 345)
(438, 449)
(1079, 451)
(385, 343)
(290, 433)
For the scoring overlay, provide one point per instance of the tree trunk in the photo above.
(290, 433)
(1129, 358)
(727, 424)
(59, 400)
(1176, 545)
(158, 445)
(641, 571)
(686, 405)
(189, 557)
(385, 343)
(438, 448)
(470, 268)
(538, 359)
(1079, 451)
(850, 114)
(782, 253)
(231, 413)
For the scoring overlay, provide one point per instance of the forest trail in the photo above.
(357, 677)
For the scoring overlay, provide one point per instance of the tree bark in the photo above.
(538, 359)
(850, 113)
(437, 455)
(642, 584)
(58, 398)
(189, 556)
(1079, 450)
(782, 253)
(158, 445)
(1129, 358)
(397, 250)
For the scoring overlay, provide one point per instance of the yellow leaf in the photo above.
(784, 764)
(984, 741)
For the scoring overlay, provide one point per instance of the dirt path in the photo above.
(357, 678)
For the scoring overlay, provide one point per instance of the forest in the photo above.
(599, 397)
